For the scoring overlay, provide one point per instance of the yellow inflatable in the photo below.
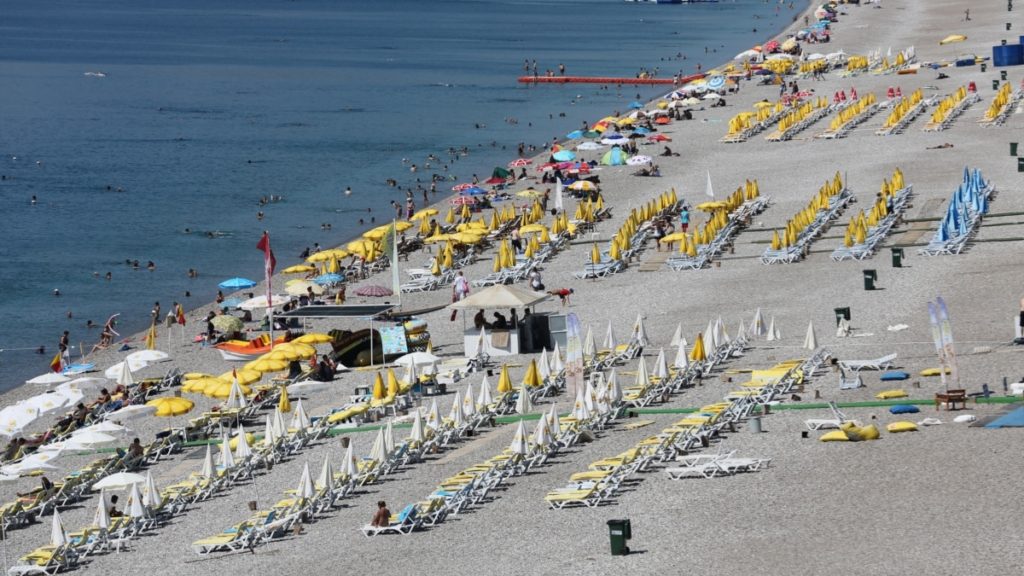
(849, 432)
(933, 371)
(902, 426)
(891, 394)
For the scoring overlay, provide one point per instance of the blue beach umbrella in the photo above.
(614, 157)
(236, 284)
(715, 82)
(564, 156)
(474, 191)
(326, 279)
(636, 105)
(641, 130)
(574, 134)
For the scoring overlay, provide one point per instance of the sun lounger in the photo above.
(405, 523)
(883, 363)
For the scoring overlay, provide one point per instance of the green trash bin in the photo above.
(870, 277)
(1002, 75)
(842, 314)
(984, 66)
(897, 257)
(1013, 148)
(619, 531)
(995, 84)
(1020, 164)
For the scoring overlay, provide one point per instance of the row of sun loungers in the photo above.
(796, 250)
(877, 233)
(964, 212)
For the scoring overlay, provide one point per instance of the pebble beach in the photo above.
(933, 501)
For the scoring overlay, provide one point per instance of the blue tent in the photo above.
(574, 134)
(1012, 419)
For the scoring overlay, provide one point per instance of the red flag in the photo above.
(57, 364)
(180, 313)
(268, 260)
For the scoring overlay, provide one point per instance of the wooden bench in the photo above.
(951, 398)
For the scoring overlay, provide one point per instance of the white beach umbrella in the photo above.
(677, 335)
(119, 481)
(773, 332)
(280, 430)
(484, 399)
(681, 361)
(94, 439)
(417, 434)
(455, 414)
(349, 469)
(590, 396)
(810, 340)
(757, 327)
(268, 433)
(589, 347)
(481, 341)
(722, 331)
(148, 356)
(643, 378)
(843, 328)
(111, 428)
(306, 387)
(709, 338)
(260, 302)
(227, 459)
(741, 332)
(58, 536)
(389, 438)
(124, 375)
(208, 470)
(236, 398)
(101, 518)
(519, 445)
(614, 389)
(433, 416)
(609, 338)
(13, 419)
(300, 421)
(541, 435)
(130, 412)
(552, 418)
(305, 488)
(87, 384)
(412, 375)
(556, 361)
(242, 449)
(468, 402)
(559, 187)
(640, 332)
(603, 394)
(544, 365)
(150, 493)
(661, 366)
(579, 408)
(49, 379)
(523, 403)
(326, 478)
(378, 453)
(135, 507)
(46, 402)
(420, 359)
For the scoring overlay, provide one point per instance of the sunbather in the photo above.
(383, 516)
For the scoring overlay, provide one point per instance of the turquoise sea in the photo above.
(131, 122)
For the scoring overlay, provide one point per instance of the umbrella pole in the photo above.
(371, 341)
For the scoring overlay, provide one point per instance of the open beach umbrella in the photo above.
(614, 157)
(130, 412)
(260, 302)
(589, 146)
(564, 156)
(119, 481)
(373, 290)
(519, 443)
(234, 284)
(302, 287)
(298, 269)
(329, 279)
(171, 405)
(638, 160)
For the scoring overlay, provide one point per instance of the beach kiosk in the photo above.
(523, 334)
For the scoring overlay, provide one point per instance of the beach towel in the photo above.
(894, 375)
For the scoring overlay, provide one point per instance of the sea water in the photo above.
(134, 121)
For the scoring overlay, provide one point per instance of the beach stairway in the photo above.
(654, 261)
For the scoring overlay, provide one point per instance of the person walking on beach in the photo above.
(684, 219)
(64, 339)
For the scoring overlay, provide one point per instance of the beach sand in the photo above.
(931, 502)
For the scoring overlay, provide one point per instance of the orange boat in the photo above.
(243, 350)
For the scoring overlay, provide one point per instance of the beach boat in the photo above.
(243, 350)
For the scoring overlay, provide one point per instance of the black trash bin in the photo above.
(619, 531)
(897, 257)
(870, 277)
(1020, 164)
(1013, 148)
(842, 314)
(995, 84)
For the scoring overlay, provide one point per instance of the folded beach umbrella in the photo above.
(150, 493)
(326, 477)
(469, 408)
(349, 469)
(541, 435)
(305, 488)
(519, 445)
(389, 437)
(523, 404)
(661, 366)
(810, 340)
(58, 536)
(101, 519)
(378, 453)
(455, 414)
(433, 416)
(208, 470)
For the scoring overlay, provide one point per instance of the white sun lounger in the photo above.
(883, 363)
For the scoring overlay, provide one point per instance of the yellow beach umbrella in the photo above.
(392, 387)
(697, 354)
(378, 387)
(197, 385)
(244, 376)
(424, 214)
(171, 405)
(298, 269)
(282, 353)
(283, 403)
(595, 254)
(466, 213)
(613, 252)
(449, 218)
(435, 267)
(674, 237)
(504, 382)
(267, 365)
(424, 229)
(532, 376)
